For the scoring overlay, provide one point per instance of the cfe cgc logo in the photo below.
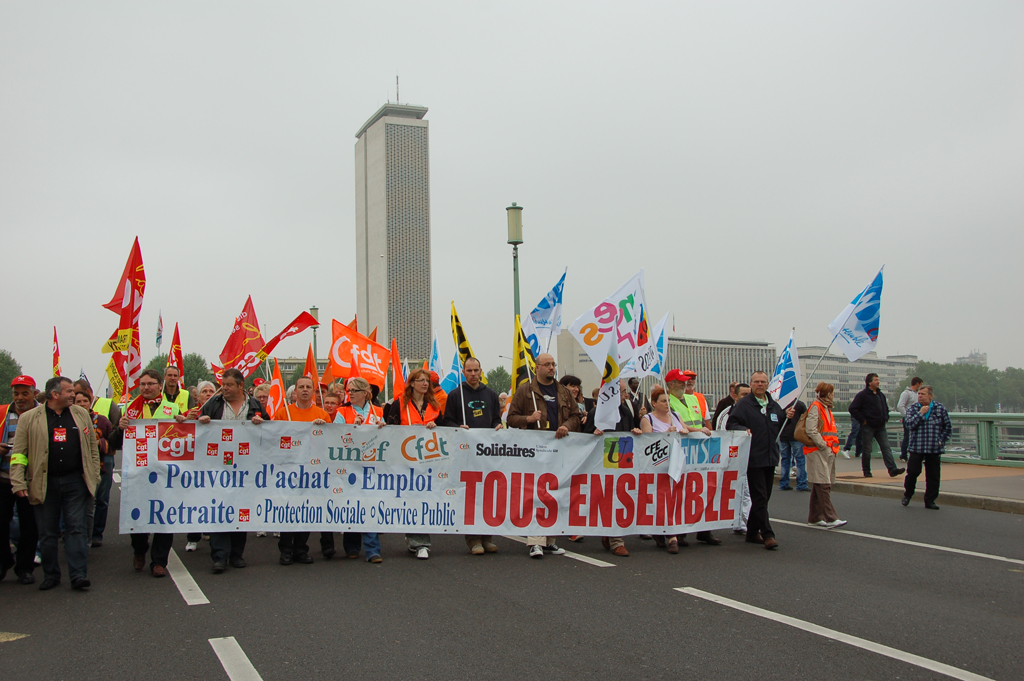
(658, 451)
(618, 452)
(176, 442)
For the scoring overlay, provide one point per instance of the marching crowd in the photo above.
(57, 455)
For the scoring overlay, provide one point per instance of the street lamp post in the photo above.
(515, 237)
(315, 311)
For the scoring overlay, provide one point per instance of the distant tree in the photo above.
(971, 387)
(299, 372)
(499, 379)
(196, 367)
(9, 368)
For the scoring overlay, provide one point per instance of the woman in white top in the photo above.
(662, 419)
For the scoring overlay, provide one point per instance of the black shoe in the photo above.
(905, 501)
(785, 489)
(867, 474)
(237, 562)
(80, 584)
(48, 584)
(931, 505)
(286, 558)
(328, 553)
(27, 578)
(304, 558)
(896, 471)
(219, 566)
(96, 543)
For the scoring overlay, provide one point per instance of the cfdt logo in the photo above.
(176, 442)
(423, 449)
(618, 452)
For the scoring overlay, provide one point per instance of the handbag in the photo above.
(800, 432)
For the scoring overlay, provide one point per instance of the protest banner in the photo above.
(291, 476)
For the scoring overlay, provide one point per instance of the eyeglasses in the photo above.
(148, 385)
(547, 364)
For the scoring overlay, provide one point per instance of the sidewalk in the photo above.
(970, 485)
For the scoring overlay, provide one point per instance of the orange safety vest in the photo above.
(411, 415)
(827, 429)
(348, 414)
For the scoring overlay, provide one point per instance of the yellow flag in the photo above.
(523, 364)
(119, 342)
(461, 342)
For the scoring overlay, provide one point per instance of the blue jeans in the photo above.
(99, 519)
(353, 541)
(67, 499)
(853, 439)
(793, 455)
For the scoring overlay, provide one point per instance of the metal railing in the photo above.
(992, 439)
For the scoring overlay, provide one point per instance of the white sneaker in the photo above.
(261, 534)
(553, 549)
(423, 553)
(277, 534)
(191, 546)
(536, 551)
(835, 523)
(820, 523)
(846, 453)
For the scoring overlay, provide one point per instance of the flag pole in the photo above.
(462, 387)
(808, 379)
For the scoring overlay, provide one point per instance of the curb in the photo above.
(1000, 504)
(948, 498)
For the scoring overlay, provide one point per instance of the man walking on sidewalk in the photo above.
(907, 398)
(930, 429)
(871, 410)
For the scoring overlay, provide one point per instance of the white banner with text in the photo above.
(281, 476)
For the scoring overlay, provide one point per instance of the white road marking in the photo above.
(117, 478)
(569, 554)
(190, 591)
(855, 641)
(234, 660)
(903, 541)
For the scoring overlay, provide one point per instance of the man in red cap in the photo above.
(24, 391)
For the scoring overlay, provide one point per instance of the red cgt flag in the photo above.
(56, 354)
(242, 349)
(397, 380)
(125, 366)
(174, 357)
(298, 325)
(350, 347)
(310, 369)
(276, 400)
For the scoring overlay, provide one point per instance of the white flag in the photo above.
(786, 381)
(856, 328)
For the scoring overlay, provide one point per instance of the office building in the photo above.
(848, 377)
(393, 228)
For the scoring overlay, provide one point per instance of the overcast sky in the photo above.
(761, 161)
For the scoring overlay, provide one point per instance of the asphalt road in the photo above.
(504, 616)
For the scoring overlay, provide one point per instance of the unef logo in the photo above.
(618, 452)
(423, 449)
(176, 441)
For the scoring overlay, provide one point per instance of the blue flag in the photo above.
(454, 377)
(435, 359)
(786, 381)
(856, 328)
(547, 316)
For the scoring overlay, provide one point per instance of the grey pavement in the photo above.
(505, 616)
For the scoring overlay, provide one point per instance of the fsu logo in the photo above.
(176, 442)
(225, 435)
(213, 449)
(618, 452)
(243, 449)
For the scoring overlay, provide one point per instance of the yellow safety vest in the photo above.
(181, 400)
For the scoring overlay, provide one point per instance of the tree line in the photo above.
(968, 387)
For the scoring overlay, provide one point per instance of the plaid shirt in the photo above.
(928, 435)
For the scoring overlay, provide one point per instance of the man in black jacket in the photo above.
(763, 418)
(231, 404)
(871, 410)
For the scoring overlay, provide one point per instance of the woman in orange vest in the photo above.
(820, 426)
(360, 410)
(417, 406)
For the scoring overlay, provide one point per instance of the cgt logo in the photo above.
(243, 515)
(423, 449)
(176, 442)
(734, 451)
(618, 452)
(225, 435)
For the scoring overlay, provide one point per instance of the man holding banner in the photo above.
(560, 414)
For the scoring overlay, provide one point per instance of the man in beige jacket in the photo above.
(55, 462)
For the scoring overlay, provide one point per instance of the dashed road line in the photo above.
(234, 660)
(117, 478)
(190, 591)
(6, 636)
(962, 552)
(569, 554)
(856, 641)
